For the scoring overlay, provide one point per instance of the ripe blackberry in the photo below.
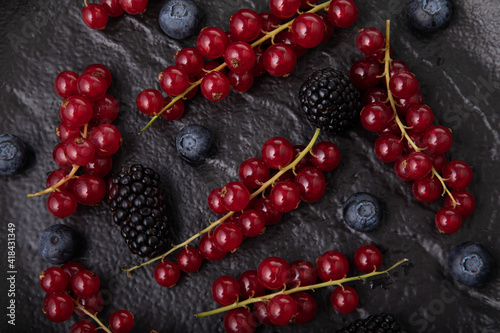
(138, 207)
(381, 323)
(330, 101)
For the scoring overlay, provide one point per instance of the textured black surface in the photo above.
(458, 73)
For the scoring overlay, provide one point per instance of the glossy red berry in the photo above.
(308, 30)
(92, 86)
(101, 71)
(239, 320)
(305, 161)
(95, 16)
(225, 290)
(227, 237)
(332, 265)
(388, 148)
(403, 105)
(58, 307)
(83, 326)
(53, 279)
(438, 161)
(376, 116)
(328, 26)
(269, 23)
(279, 59)
(277, 152)
(457, 175)
(93, 304)
(311, 184)
(121, 321)
(89, 189)
(189, 259)
(285, 196)
(344, 299)
(253, 172)
(287, 37)
(215, 86)
(113, 7)
(65, 84)
(209, 250)
(342, 13)
(235, 196)
(260, 312)
(427, 189)
(437, 140)
(364, 73)
(281, 309)
(374, 95)
(212, 42)
(403, 85)
(417, 139)
(72, 268)
(215, 202)
(105, 110)
(419, 165)
(250, 285)
(273, 273)
(368, 258)
(302, 273)
(149, 101)
(190, 59)
(448, 220)
(265, 207)
(61, 203)
(251, 223)
(284, 9)
(175, 111)
(419, 118)
(466, 203)
(325, 156)
(134, 7)
(57, 175)
(85, 283)
(100, 166)
(245, 25)
(306, 307)
(370, 40)
(106, 139)
(239, 57)
(174, 80)
(79, 151)
(76, 111)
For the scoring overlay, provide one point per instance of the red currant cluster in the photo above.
(406, 132)
(95, 16)
(72, 288)
(293, 304)
(87, 139)
(255, 44)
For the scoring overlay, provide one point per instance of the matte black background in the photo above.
(458, 74)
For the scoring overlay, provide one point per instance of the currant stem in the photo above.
(228, 215)
(297, 289)
(93, 316)
(268, 35)
(402, 127)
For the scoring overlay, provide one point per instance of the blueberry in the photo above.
(362, 212)
(58, 244)
(429, 15)
(470, 263)
(194, 143)
(180, 19)
(13, 154)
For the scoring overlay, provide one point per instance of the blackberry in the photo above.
(330, 101)
(381, 323)
(138, 207)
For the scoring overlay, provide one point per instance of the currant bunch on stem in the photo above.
(256, 44)
(407, 135)
(87, 140)
(72, 288)
(95, 15)
(278, 291)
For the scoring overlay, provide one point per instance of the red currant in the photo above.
(79, 151)
(457, 175)
(83, 326)
(253, 172)
(403, 85)
(92, 86)
(437, 140)
(100, 166)
(279, 59)
(189, 259)
(374, 95)
(99, 70)
(250, 285)
(245, 25)
(225, 290)
(167, 273)
(53, 279)
(427, 189)
(149, 101)
(277, 152)
(281, 309)
(269, 23)
(239, 57)
(56, 176)
(265, 207)
(303, 273)
(133, 7)
(190, 59)
(325, 156)
(208, 249)
(85, 283)
(448, 220)
(306, 307)
(417, 139)
(305, 161)
(174, 80)
(368, 259)
(260, 312)
(76, 111)
(92, 304)
(227, 237)
(251, 223)
(215, 202)
(113, 7)
(239, 320)
(376, 116)
(308, 30)
(328, 27)
(419, 118)
(121, 321)
(287, 37)
(398, 66)
(438, 161)
(175, 111)
(342, 13)
(215, 86)
(370, 40)
(72, 268)
(258, 68)
(95, 16)
(403, 105)
(332, 265)
(65, 84)
(364, 73)
(273, 273)
(106, 139)
(388, 148)
(307, 4)
(241, 82)
(235, 196)
(284, 9)
(344, 299)
(311, 184)
(61, 203)
(466, 203)
(285, 196)
(105, 110)
(212, 42)
(58, 307)
(419, 165)
(89, 189)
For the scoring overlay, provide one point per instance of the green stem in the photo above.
(297, 289)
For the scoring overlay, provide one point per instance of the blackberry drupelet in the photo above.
(381, 323)
(138, 207)
(330, 101)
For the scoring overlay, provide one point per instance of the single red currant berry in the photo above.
(448, 220)
(376, 116)
(105, 110)
(265, 207)
(112, 7)
(225, 290)
(227, 237)
(284, 9)
(175, 111)
(80, 151)
(305, 161)
(250, 285)
(398, 66)
(427, 189)
(92, 86)
(149, 101)
(85, 283)
(285, 197)
(374, 95)
(368, 259)
(121, 321)
(419, 118)
(174, 80)
(189, 259)
(89, 189)
(403, 85)
(279, 59)
(53, 279)
(438, 161)
(308, 30)
(419, 165)
(245, 25)
(281, 309)
(325, 156)
(83, 326)
(277, 152)
(287, 37)
(76, 111)
(95, 16)
(311, 184)
(403, 105)
(239, 57)
(417, 139)
(212, 42)
(332, 265)
(56, 176)
(58, 307)
(241, 82)
(393, 129)
(208, 249)
(215, 202)
(134, 7)
(251, 223)
(342, 13)
(457, 175)
(190, 59)
(65, 84)
(269, 23)
(61, 203)
(239, 320)
(466, 203)
(93, 304)
(235, 196)
(260, 312)
(388, 148)
(437, 140)
(72, 268)
(364, 73)
(215, 86)
(344, 299)
(370, 40)
(303, 273)
(253, 172)
(328, 27)
(99, 70)
(106, 139)
(100, 166)
(306, 307)
(273, 273)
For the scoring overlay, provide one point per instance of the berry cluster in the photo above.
(255, 44)
(87, 139)
(73, 289)
(406, 132)
(291, 304)
(95, 16)
(246, 214)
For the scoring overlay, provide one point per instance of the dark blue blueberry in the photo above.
(180, 19)
(470, 263)
(362, 212)
(429, 15)
(58, 244)
(13, 154)
(194, 143)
